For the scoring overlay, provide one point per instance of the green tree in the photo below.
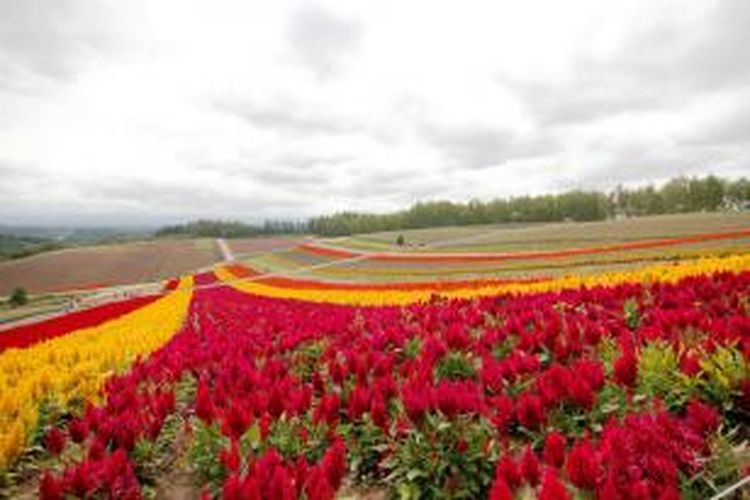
(18, 297)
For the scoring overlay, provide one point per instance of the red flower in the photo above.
(508, 470)
(582, 466)
(51, 488)
(552, 488)
(54, 441)
(231, 457)
(702, 418)
(626, 368)
(204, 408)
(500, 489)
(78, 430)
(379, 411)
(554, 449)
(235, 422)
(529, 411)
(530, 468)
(689, 365)
(317, 486)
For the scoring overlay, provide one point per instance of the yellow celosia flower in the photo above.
(667, 273)
(75, 365)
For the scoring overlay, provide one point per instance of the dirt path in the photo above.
(226, 252)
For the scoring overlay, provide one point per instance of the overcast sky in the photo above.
(146, 111)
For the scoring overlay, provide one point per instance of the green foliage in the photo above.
(306, 358)
(204, 454)
(17, 247)
(443, 460)
(400, 240)
(631, 313)
(232, 229)
(725, 466)
(413, 347)
(455, 366)
(367, 447)
(659, 375)
(722, 371)
(682, 194)
(18, 297)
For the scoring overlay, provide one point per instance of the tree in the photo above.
(400, 240)
(18, 297)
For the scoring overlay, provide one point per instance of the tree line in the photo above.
(233, 229)
(682, 194)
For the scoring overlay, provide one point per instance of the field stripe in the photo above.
(508, 256)
(30, 334)
(75, 366)
(369, 296)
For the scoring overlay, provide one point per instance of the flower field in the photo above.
(627, 384)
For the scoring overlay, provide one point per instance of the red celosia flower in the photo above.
(204, 408)
(626, 368)
(582, 466)
(552, 488)
(554, 449)
(530, 468)
(231, 457)
(379, 411)
(317, 486)
(235, 421)
(334, 463)
(689, 365)
(529, 411)
(509, 471)
(54, 441)
(702, 418)
(500, 489)
(78, 430)
(51, 488)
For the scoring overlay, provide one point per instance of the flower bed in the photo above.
(26, 335)
(619, 390)
(65, 371)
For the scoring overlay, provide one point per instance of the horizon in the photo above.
(153, 113)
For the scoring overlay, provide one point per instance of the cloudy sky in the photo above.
(146, 111)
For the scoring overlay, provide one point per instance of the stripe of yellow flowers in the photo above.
(667, 273)
(77, 364)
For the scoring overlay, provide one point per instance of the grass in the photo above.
(552, 236)
(539, 237)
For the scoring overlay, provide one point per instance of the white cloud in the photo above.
(171, 109)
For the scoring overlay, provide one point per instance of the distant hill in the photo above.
(16, 247)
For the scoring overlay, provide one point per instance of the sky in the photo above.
(154, 111)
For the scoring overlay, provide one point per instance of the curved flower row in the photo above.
(74, 366)
(393, 294)
(341, 253)
(26, 335)
(606, 392)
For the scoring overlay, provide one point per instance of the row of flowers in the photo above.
(340, 253)
(251, 281)
(620, 391)
(29, 334)
(71, 364)
(376, 269)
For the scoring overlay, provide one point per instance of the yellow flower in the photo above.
(72, 366)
